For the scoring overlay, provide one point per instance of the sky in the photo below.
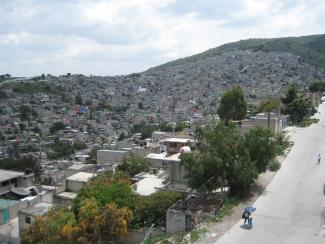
(114, 37)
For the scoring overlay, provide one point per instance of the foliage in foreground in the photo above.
(225, 158)
(134, 164)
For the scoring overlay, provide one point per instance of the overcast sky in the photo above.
(123, 36)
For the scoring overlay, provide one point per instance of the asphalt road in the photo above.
(292, 208)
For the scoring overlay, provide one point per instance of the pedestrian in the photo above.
(319, 158)
(246, 215)
(250, 223)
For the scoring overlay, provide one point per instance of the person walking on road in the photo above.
(318, 159)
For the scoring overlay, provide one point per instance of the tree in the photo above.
(25, 112)
(115, 220)
(78, 99)
(261, 146)
(134, 164)
(165, 127)
(221, 159)
(107, 188)
(121, 136)
(232, 105)
(152, 208)
(59, 225)
(317, 87)
(56, 127)
(297, 107)
(140, 105)
(180, 127)
(290, 95)
(269, 105)
(78, 145)
(61, 150)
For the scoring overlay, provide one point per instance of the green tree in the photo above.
(269, 105)
(140, 105)
(61, 150)
(121, 136)
(165, 127)
(221, 159)
(134, 164)
(317, 87)
(261, 146)
(56, 127)
(78, 145)
(78, 99)
(180, 127)
(232, 105)
(107, 188)
(149, 209)
(296, 106)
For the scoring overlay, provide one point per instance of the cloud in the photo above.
(122, 36)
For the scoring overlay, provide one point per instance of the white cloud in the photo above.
(123, 36)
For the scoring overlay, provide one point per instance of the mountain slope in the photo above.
(311, 49)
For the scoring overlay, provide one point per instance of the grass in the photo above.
(226, 208)
(308, 122)
(196, 234)
(166, 239)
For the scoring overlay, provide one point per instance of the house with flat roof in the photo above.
(13, 179)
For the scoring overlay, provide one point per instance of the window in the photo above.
(28, 220)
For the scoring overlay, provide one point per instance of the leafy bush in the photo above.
(274, 165)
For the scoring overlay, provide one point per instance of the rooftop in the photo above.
(156, 155)
(81, 177)
(177, 140)
(148, 184)
(68, 195)
(37, 209)
(9, 174)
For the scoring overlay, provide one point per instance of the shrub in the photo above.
(274, 165)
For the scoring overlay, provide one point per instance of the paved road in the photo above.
(292, 209)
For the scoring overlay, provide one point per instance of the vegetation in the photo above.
(26, 112)
(56, 127)
(261, 146)
(150, 209)
(60, 150)
(310, 49)
(274, 165)
(196, 234)
(78, 145)
(78, 99)
(165, 127)
(34, 87)
(317, 86)
(232, 105)
(296, 106)
(269, 105)
(225, 158)
(180, 127)
(308, 122)
(145, 130)
(122, 136)
(18, 164)
(60, 225)
(227, 207)
(134, 164)
(221, 159)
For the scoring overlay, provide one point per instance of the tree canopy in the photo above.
(296, 106)
(269, 105)
(134, 164)
(232, 105)
(317, 86)
(221, 159)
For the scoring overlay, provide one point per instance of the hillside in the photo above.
(311, 49)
